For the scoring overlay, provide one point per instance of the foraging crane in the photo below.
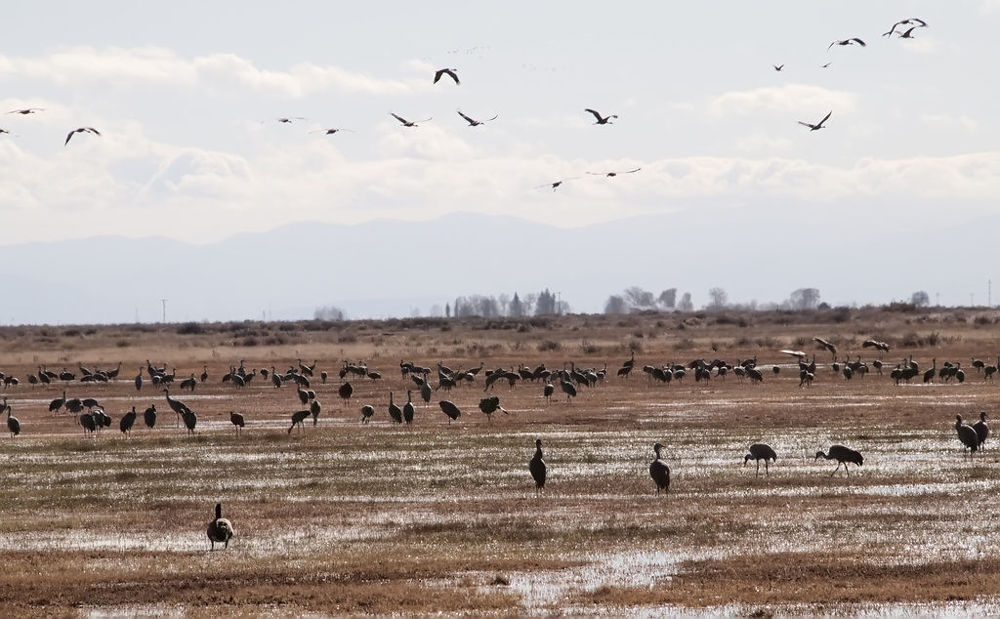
(967, 435)
(843, 455)
(758, 452)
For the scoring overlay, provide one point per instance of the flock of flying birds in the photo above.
(897, 29)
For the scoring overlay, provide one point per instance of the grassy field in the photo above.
(346, 518)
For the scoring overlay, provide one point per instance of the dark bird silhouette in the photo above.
(548, 390)
(491, 405)
(967, 435)
(614, 174)
(425, 392)
(449, 408)
(778, 67)
(907, 34)
(220, 529)
(345, 391)
(27, 110)
(70, 135)
(982, 429)
(204, 374)
(556, 184)
(176, 405)
(758, 452)
(918, 23)
(407, 123)
(190, 420)
(475, 123)
(659, 471)
(825, 66)
(408, 409)
(330, 131)
(366, 412)
(149, 416)
(138, 380)
(5, 131)
(452, 73)
(851, 41)
(568, 388)
(289, 119)
(127, 421)
(537, 467)
(843, 455)
(57, 403)
(13, 425)
(297, 418)
(818, 125)
(395, 412)
(88, 422)
(237, 420)
(601, 120)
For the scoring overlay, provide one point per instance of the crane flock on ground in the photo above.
(90, 414)
(600, 119)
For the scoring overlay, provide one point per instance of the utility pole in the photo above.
(164, 301)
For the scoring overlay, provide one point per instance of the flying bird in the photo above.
(827, 345)
(475, 123)
(906, 34)
(80, 130)
(614, 174)
(601, 120)
(906, 22)
(556, 184)
(27, 110)
(407, 123)
(5, 131)
(851, 41)
(330, 131)
(825, 65)
(778, 67)
(818, 125)
(289, 119)
(449, 72)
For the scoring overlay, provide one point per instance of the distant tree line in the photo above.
(487, 306)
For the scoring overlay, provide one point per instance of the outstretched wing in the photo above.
(69, 136)
(594, 112)
(399, 118)
(467, 119)
(826, 117)
(859, 41)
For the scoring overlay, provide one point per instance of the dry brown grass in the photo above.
(349, 519)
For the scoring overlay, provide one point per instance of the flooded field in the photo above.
(342, 517)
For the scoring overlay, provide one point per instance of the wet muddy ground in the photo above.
(346, 518)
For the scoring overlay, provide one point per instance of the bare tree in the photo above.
(804, 299)
(516, 308)
(615, 305)
(668, 298)
(685, 304)
(329, 312)
(717, 298)
(920, 298)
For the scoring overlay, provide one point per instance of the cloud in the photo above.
(792, 98)
(950, 122)
(157, 65)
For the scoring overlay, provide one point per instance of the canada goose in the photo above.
(220, 529)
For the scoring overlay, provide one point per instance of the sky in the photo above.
(186, 96)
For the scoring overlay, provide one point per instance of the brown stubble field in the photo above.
(345, 518)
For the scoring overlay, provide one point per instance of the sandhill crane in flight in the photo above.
(818, 125)
(80, 130)
(452, 73)
(330, 131)
(475, 123)
(827, 345)
(906, 34)
(27, 110)
(5, 131)
(614, 174)
(825, 66)
(290, 119)
(407, 123)
(906, 22)
(851, 41)
(601, 120)
(557, 184)
(778, 67)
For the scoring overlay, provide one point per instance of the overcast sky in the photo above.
(187, 95)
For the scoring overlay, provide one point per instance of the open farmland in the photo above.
(346, 518)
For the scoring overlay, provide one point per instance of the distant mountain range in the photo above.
(856, 254)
